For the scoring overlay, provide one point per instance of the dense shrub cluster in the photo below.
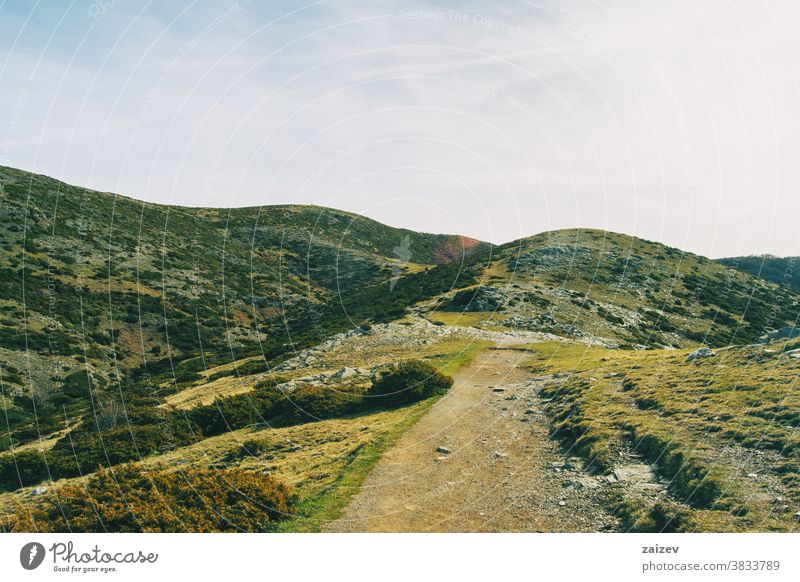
(148, 430)
(85, 450)
(408, 382)
(128, 499)
(267, 403)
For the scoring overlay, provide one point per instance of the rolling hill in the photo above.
(781, 270)
(621, 291)
(98, 289)
(249, 339)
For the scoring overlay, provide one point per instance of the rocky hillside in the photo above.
(620, 291)
(99, 290)
(781, 270)
(250, 338)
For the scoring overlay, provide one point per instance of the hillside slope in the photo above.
(248, 339)
(781, 270)
(100, 291)
(619, 290)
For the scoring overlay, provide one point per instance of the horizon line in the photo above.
(349, 212)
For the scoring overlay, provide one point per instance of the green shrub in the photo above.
(22, 470)
(77, 385)
(408, 382)
(232, 412)
(311, 403)
(130, 499)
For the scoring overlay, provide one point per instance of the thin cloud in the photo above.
(673, 121)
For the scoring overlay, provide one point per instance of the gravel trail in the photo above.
(481, 461)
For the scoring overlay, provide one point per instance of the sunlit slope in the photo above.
(622, 290)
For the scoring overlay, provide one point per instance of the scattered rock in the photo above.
(700, 353)
(345, 373)
(797, 517)
(40, 490)
(753, 475)
(499, 455)
(562, 503)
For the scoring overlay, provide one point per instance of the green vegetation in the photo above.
(151, 430)
(130, 500)
(133, 332)
(633, 292)
(702, 424)
(408, 382)
(121, 295)
(316, 510)
(781, 270)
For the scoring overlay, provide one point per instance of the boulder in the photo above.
(345, 373)
(700, 353)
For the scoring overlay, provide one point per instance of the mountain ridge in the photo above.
(781, 270)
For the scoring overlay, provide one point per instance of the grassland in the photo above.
(323, 462)
(720, 431)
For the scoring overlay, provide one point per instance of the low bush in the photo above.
(311, 403)
(406, 383)
(22, 470)
(129, 499)
(85, 449)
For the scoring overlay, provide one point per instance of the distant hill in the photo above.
(591, 284)
(782, 270)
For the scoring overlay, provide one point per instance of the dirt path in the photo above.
(502, 473)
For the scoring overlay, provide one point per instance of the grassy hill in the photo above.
(720, 431)
(781, 270)
(101, 292)
(619, 290)
(247, 340)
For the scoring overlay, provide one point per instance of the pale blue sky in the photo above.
(675, 121)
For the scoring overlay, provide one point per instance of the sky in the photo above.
(673, 121)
